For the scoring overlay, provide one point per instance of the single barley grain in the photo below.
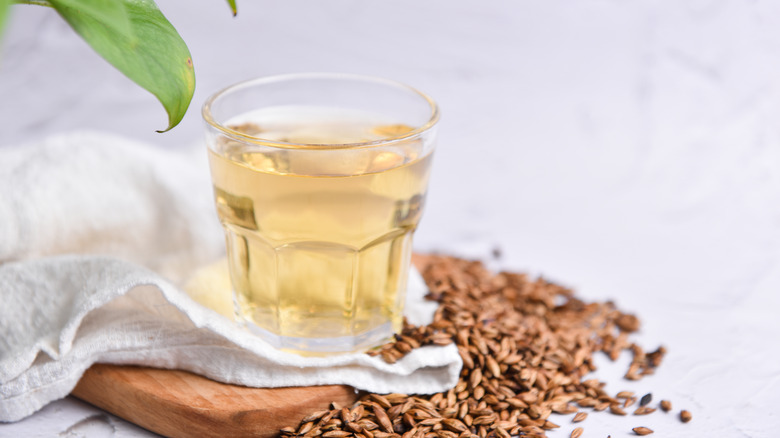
(644, 410)
(616, 410)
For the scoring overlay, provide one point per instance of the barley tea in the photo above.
(319, 236)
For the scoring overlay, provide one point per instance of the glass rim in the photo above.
(416, 132)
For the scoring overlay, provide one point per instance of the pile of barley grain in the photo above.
(526, 345)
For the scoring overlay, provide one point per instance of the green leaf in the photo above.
(135, 37)
(5, 7)
(110, 13)
(232, 4)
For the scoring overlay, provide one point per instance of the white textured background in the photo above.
(630, 150)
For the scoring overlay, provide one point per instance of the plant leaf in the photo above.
(5, 8)
(110, 13)
(232, 4)
(150, 52)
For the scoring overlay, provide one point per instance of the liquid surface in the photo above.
(319, 241)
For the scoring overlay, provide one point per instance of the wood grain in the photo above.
(181, 404)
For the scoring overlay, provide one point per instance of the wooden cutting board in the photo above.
(181, 404)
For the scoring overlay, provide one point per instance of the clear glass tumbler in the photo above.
(319, 182)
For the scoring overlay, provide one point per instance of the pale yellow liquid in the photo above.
(319, 242)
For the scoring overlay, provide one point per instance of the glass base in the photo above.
(325, 346)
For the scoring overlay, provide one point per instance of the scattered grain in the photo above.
(526, 346)
(642, 431)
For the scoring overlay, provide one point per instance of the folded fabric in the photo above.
(97, 234)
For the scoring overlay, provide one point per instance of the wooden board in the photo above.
(182, 404)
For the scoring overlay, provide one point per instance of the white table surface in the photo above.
(630, 150)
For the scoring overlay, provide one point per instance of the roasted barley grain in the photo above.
(526, 345)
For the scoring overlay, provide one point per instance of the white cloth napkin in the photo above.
(96, 232)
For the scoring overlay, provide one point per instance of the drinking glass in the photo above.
(319, 182)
